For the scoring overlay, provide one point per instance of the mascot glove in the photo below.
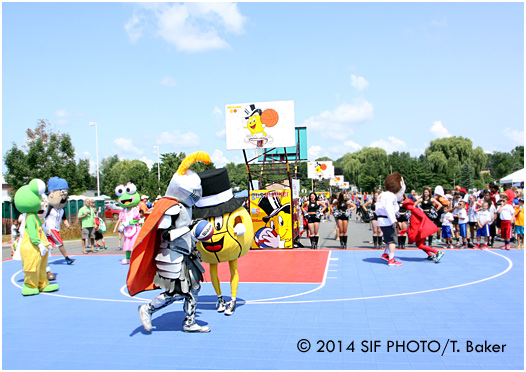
(43, 249)
(240, 229)
(133, 222)
(270, 238)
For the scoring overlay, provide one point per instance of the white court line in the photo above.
(510, 265)
(273, 300)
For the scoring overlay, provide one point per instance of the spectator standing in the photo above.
(483, 222)
(447, 224)
(519, 223)
(87, 217)
(377, 232)
(14, 236)
(506, 213)
(144, 207)
(314, 209)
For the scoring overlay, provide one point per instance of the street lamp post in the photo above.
(97, 155)
(158, 169)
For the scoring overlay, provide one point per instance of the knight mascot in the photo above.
(163, 256)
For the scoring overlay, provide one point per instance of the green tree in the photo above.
(465, 179)
(48, 154)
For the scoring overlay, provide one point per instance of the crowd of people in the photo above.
(464, 219)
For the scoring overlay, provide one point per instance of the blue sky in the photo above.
(392, 75)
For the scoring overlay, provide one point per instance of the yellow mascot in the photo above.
(233, 230)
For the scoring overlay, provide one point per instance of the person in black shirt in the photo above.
(314, 209)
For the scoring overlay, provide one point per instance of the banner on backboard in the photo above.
(320, 170)
(259, 124)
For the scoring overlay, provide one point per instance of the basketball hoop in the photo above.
(259, 142)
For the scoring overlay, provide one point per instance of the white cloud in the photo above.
(340, 122)
(133, 28)
(219, 159)
(190, 27)
(168, 81)
(353, 145)
(149, 162)
(515, 135)
(438, 130)
(217, 112)
(125, 145)
(359, 82)
(221, 133)
(62, 116)
(314, 152)
(86, 154)
(177, 139)
(390, 146)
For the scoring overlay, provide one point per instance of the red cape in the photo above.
(420, 226)
(142, 264)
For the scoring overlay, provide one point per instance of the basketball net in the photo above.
(259, 150)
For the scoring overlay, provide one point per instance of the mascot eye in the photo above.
(280, 220)
(41, 187)
(218, 223)
(272, 225)
(119, 190)
(131, 189)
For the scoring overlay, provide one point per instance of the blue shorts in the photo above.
(484, 231)
(446, 231)
(463, 227)
(519, 230)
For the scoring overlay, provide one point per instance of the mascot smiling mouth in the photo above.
(214, 246)
(127, 201)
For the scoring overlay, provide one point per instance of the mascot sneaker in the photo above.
(231, 308)
(146, 317)
(221, 305)
(125, 261)
(51, 276)
(50, 288)
(194, 327)
(28, 291)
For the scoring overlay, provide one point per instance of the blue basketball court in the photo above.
(358, 313)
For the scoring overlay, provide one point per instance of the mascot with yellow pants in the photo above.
(233, 230)
(34, 246)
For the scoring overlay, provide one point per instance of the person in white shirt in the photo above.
(447, 224)
(386, 209)
(463, 221)
(472, 217)
(484, 219)
(506, 213)
(54, 215)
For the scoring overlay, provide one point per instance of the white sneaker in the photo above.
(146, 317)
(221, 305)
(231, 308)
(195, 328)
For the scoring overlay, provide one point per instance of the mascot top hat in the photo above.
(217, 198)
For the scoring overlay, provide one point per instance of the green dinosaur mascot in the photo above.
(34, 245)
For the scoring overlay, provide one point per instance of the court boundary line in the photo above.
(273, 300)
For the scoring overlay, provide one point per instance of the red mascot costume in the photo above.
(420, 227)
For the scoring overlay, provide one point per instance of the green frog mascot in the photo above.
(34, 245)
